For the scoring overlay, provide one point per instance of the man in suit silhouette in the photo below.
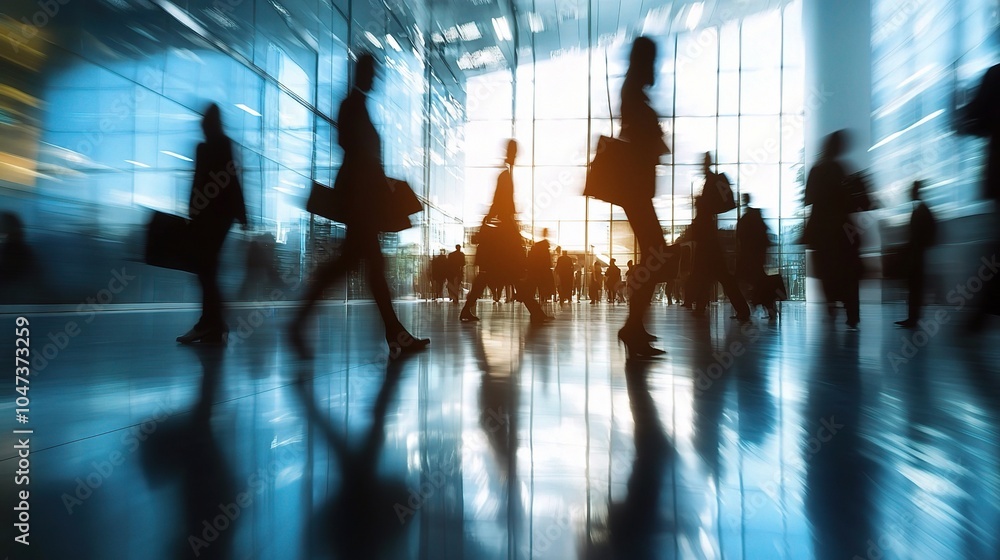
(923, 230)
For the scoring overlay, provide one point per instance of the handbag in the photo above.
(610, 169)
(776, 285)
(327, 202)
(392, 213)
(616, 166)
(720, 198)
(169, 243)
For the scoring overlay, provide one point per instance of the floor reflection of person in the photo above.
(186, 450)
(366, 515)
(364, 182)
(501, 257)
(638, 524)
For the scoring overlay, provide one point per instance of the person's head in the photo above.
(836, 144)
(642, 62)
(746, 199)
(706, 162)
(364, 72)
(915, 189)
(511, 152)
(565, 252)
(211, 122)
(458, 247)
(442, 251)
(629, 263)
(612, 261)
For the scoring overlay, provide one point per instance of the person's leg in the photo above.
(653, 257)
(479, 284)
(326, 274)
(732, 290)
(211, 307)
(399, 339)
(211, 323)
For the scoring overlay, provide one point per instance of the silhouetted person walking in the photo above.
(564, 270)
(500, 255)
(982, 118)
(923, 233)
(596, 282)
(456, 273)
(366, 194)
(439, 273)
(709, 258)
(216, 202)
(830, 231)
(753, 239)
(612, 281)
(641, 127)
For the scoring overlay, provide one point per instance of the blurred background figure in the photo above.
(565, 271)
(709, 259)
(20, 278)
(754, 240)
(596, 282)
(262, 268)
(613, 281)
(830, 233)
(439, 273)
(456, 273)
(216, 202)
(540, 268)
(500, 256)
(923, 234)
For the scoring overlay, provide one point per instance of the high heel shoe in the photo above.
(466, 316)
(540, 318)
(636, 347)
(402, 343)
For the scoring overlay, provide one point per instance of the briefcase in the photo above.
(394, 205)
(776, 285)
(169, 243)
(611, 173)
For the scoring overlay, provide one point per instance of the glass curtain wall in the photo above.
(735, 90)
(117, 111)
(926, 64)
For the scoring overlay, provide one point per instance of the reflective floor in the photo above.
(778, 440)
